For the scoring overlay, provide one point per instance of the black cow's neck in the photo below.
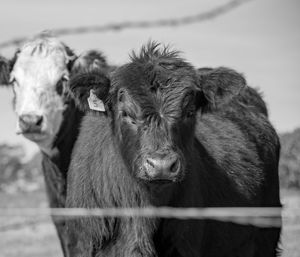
(63, 145)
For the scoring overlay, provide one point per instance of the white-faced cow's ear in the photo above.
(13, 60)
(89, 90)
(6, 67)
(218, 86)
(70, 57)
(4, 71)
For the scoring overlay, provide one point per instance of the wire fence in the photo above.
(34, 232)
(172, 22)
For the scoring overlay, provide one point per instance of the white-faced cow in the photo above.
(45, 113)
(171, 136)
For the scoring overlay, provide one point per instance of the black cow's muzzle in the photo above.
(162, 169)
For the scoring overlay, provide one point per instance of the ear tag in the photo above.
(95, 103)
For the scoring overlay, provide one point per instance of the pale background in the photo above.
(261, 39)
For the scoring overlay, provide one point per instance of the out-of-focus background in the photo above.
(260, 38)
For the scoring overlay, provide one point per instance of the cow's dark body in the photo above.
(55, 167)
(230, 141)
(226, 165)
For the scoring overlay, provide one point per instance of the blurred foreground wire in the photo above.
(261, 217)
(203, 16)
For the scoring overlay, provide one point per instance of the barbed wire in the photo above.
(173, 22)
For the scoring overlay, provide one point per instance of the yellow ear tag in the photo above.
(95, 103)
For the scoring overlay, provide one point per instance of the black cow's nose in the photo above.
(30, 123)
(162, 168)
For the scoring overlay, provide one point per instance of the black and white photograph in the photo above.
(142, 128)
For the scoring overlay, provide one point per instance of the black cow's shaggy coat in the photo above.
(55, 164)
(212, 126)
(55, 167)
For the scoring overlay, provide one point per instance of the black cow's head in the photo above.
(38, 74)
(153, 103)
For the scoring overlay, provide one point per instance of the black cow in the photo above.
(172, 136)
(47, 115)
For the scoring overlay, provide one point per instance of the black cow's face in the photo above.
(152, 103)
(154, 111)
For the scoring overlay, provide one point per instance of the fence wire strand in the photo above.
(173, 22)
(260, 217)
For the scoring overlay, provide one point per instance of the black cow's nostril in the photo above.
(150, 163)
(174, 166)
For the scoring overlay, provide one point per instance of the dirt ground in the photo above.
(38, 239)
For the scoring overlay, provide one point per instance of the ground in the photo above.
(38, 239)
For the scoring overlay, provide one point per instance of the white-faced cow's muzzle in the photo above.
(39, 113)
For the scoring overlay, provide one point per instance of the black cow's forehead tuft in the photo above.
(145, 80)
(155, 66)
(153, 50)
(154, 54)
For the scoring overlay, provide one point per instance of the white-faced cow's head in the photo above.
(37, 74)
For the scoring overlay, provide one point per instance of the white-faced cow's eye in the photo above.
(60, 85)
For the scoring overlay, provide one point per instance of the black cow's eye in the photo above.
(128, 118)
(190, 113)
(124, 114)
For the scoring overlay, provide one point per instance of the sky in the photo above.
(260, 39)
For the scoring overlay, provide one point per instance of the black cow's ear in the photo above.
(4, 71)
(218, 86)
(88, 61)
(89, 90)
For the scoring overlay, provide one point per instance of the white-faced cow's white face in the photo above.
(37, 77)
